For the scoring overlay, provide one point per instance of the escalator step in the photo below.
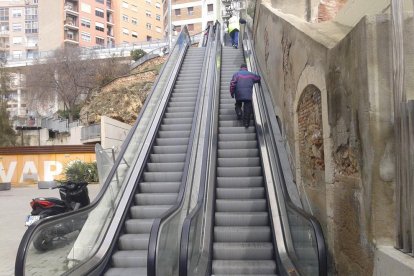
(240, 193)
(167, 158)
(165, 167)
(241, 219)
(243, 250)
(238, 267)
(239, 153)
(236, 205)
(162, 176)
(148, 212)
(239, 162)
(239, 171)
(116, 271)
(130, 258)
(133, 241)
(239, 182)
(156, 198)
(242, 234)
(157, 187)
(137, 226)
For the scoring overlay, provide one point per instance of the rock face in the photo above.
(123, 98)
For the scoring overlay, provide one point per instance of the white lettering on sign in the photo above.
(6, 177)
(29, 169)
(49, 172)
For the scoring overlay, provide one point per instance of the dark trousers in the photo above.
(235, 38)
(247, 110)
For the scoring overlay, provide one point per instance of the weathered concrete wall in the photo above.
(352, 193)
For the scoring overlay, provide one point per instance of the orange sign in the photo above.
(29, 168)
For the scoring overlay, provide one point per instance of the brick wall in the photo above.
(311, 136)
(329, 8)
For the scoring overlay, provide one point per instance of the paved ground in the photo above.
(14, 207)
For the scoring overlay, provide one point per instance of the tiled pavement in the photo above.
(14, 207)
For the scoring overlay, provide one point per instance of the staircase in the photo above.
(243, 241)
(158, 189)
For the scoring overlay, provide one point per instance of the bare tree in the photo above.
(70, 75)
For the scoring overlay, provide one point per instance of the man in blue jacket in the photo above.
(241, 88)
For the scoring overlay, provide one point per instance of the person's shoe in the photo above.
(246, 125)
(235, 46)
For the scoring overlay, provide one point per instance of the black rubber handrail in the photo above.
(153, 240)
(24, 244)
(185, 233)
(320, 240)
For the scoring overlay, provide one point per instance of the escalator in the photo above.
(148, 181)
(245, 222)
(242, 239)
(159, 187)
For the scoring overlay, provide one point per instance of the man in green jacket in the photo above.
(234, 28)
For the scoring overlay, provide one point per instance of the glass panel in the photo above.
(68, 242)
(305, 254)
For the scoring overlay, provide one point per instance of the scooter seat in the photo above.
(55, 200)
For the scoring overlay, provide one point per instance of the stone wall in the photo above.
(343, 74)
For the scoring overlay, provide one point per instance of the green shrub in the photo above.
(137, 54)
(79, 171)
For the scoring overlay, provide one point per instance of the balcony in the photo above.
(109, 6)
(4, 47)
(4, 33)
(70, 8)
(71, 23)
(31, 45)
(71, 37)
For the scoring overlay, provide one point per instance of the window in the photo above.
(32, 41)
(177, 12)
(85, 23)
(134, 8)
(134, 34)
(17, 27)
(125, 18)
(149, 38)
(31, 13)
(148, 1)
(134, 21)
(86, 8)
(86, 37)
(99, 26)
(99, 41)
(31, 27)
(17, 40)
(158, 5)
(125, 31)
(16, 13)
(177, 28)
(4, 14)
(158, 17)
(158, 29)
(190, 27)
(35, 1)
(210, 8)
(99, 12)
(148, 13)
(190, 10)
(125, 4)
(149, 26)
(100, 1)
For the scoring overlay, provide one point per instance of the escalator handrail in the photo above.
(154, 234)
(24, 244)
(320, 240)
(185, 232)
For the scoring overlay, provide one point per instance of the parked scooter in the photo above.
(73, 195)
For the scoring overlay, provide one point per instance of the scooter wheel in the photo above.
(42, 242)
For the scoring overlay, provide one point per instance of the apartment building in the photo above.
(85, 23)
(138, 20)
(195, 14)
(19, 28)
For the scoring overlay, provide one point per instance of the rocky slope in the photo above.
(123, 98)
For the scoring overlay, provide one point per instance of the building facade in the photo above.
(195, 14)
(138, 20)
(19, 28)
